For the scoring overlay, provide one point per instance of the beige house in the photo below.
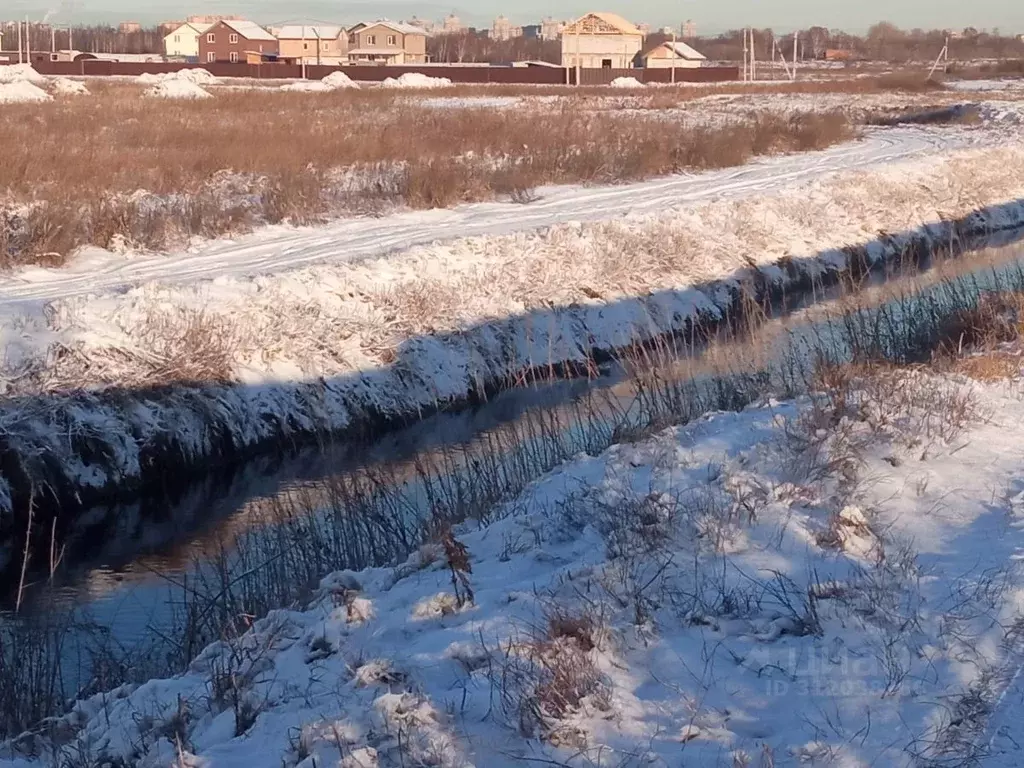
(601, 40)
(667, 55)
(386, 42)
(183, 40)
(313, 44)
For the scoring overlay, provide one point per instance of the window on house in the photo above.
(326, 47)
(391, 39)
(233, 39)
(233, 56)
(305, 46)
(211, 38)
(371, 39)
(177, 38)
(211, 57)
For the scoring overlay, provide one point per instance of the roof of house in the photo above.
(397, 26)
(682, 50)
(195, 27)
(614, 20)
(250, 30)
(309, 32)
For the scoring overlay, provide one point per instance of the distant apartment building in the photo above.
(531, 31)
(233, 40)
(502, 29)
(129, 27)
(452, 23)
(386, 42)
(183, 41)
(550, 29)
(313, 43)
(601, 40)
(688, 30)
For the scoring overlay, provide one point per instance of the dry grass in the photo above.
(73, 170)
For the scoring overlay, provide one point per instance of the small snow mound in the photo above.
(339, 80)
(66, 87)
(22, 92)
(307, 86)
(416, 80)
(198, 76)
(16, 73)
(176, 89)
(626, 82)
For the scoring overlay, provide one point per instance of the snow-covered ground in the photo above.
(313, 349)
(832, 581)
(279, 248)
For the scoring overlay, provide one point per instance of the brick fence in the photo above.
(374, 74)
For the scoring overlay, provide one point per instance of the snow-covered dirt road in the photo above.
(279, 248)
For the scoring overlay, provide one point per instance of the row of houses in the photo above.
(234, 40)
(596, 40)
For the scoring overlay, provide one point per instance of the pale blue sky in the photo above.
(710, 15)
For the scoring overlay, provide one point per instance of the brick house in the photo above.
(232, 40)
(386, 42)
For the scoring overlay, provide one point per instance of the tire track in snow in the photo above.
(278, 248)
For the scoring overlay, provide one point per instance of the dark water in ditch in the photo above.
(122, 576)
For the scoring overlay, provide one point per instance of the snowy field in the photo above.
(314, 328)
(830, 581)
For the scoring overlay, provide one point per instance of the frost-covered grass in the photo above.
(831, 578)
(152, 173)
(111, 387)
(962, 326)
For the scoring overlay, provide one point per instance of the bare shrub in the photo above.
(541, 681)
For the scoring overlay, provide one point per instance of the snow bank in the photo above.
(688, 595)
(22, 92)
(198, 76)
(339, 80)
(176, 89)
(456, 316)
(416, 80)
(307, 86)
(66, 87)
(14, 73)
(626, 82)
(335, 81)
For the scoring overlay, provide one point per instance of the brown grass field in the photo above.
(152, 172)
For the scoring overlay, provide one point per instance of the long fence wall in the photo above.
(375, 74)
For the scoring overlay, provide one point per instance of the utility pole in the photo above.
(753, 57)
(673, 56)
(303, 51)
(578, 65)
(20, 44)
(746, 57)
(943, 58)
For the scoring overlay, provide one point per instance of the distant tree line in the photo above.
(97, 39)
(472, 47)
(883, 42)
